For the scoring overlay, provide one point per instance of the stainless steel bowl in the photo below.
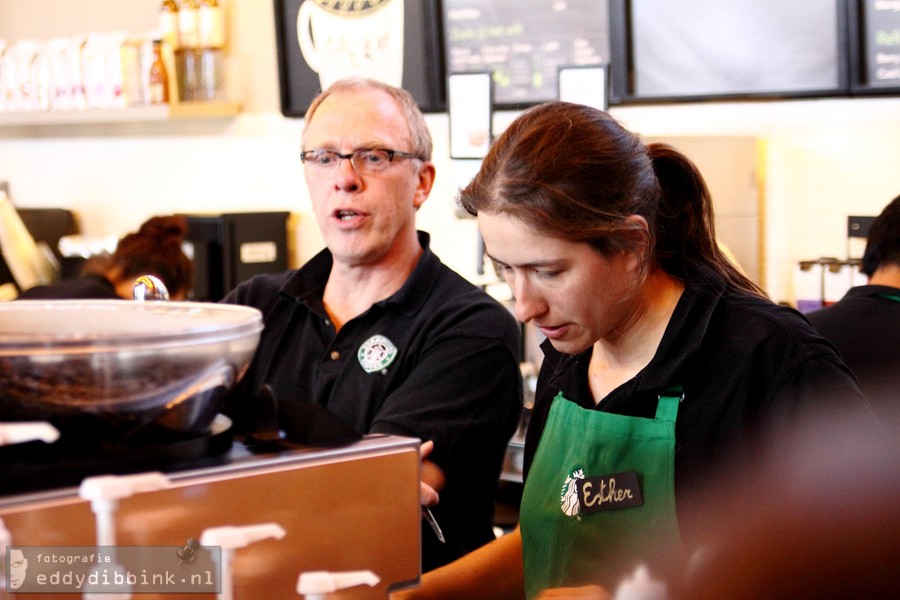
(110, 367)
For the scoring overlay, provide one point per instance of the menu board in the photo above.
(881, 42)
(704, 48)
(523, 43)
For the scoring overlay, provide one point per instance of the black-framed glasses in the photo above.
(366, 162)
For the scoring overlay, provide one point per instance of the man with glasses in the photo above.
(375, 328)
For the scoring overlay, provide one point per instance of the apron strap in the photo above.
(894, 297)
(667, 405)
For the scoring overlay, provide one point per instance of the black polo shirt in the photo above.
(748, 368)
(452, 377)
(865, 327)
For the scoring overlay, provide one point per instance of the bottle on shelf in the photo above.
(188, 24)
(210, 53)
(158, 76)
(210, 24)
(168, 31)
(187, 57)
(168, 23)
(4, 65)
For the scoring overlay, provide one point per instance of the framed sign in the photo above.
(321, 41)
(471, 113)
(697, 50)
(874, 32)
(584, 85)
(524, 42)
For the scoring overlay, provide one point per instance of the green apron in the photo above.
(600, 497)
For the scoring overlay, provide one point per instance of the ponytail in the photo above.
(686, 243)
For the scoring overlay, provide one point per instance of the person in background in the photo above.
(375, 328)
(662, 360)
(865, 323)
(154, 249)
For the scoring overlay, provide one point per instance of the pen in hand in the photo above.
(426, 512)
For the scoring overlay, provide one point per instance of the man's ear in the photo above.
(426, 182)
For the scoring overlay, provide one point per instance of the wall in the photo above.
(820, 160)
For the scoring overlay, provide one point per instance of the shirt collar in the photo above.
(307, 284)
(872, 290)
(685, 332)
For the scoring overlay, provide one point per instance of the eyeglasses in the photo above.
(366, 162)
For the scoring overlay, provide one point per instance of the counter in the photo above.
(338, 506)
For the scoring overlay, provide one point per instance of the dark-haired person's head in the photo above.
(883, 243)
(573, 172)
(154, 249)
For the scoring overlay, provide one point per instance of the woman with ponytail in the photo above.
(662, 361)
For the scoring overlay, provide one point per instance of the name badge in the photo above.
(609, 492)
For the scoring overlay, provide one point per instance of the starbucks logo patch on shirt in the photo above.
(376, 353)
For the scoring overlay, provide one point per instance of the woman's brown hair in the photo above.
(574, 173)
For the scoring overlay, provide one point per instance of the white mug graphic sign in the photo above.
(343, 38)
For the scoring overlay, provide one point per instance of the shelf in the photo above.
(138, 114)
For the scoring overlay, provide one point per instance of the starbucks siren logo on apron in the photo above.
(568, 497)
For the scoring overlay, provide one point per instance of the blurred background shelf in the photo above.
(138, 114)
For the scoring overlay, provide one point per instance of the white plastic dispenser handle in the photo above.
(115, 487)
(237, 537)
(105, 491)
(315, 584)
(230, 538)
(27, 431)
(5, 537)
(5, 540)
(640, 586)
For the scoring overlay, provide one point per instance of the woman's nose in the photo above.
(528, 304)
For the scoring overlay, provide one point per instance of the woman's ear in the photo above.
(640, 229)
(639, 234)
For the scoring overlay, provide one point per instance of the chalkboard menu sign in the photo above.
(697, 49)
(523, 43)
(877, 64)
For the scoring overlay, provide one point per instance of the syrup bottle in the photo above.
(158, 76)
(168, 23)
(211, 24)
(188, 24)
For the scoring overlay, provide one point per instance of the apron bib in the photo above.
(600, 497)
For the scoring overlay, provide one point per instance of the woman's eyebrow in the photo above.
(529, 265)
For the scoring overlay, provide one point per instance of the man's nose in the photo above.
(347, 178)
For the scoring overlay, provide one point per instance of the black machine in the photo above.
(230, 248)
